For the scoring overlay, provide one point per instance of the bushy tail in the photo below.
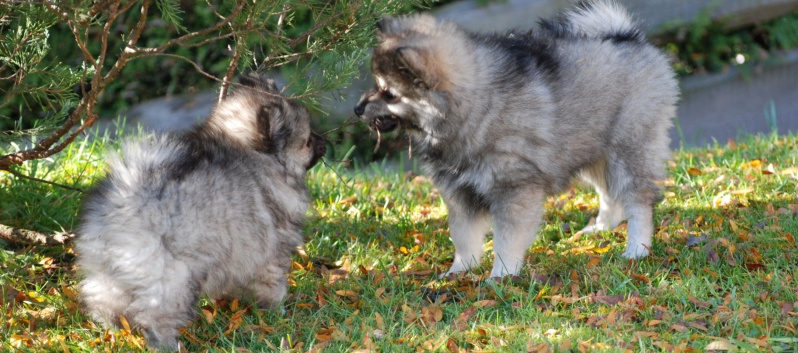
(601, 19)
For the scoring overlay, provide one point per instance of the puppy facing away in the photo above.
(217, 211)
(502, 120)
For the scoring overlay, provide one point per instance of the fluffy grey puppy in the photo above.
(217, 211)
(502, 120)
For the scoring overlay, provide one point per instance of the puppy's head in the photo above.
(255, 116)
(418, 66)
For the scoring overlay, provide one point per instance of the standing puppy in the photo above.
(500, 121)
(217, 211)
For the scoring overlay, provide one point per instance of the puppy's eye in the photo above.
(388, 96)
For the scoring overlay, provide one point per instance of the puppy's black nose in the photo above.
(360, 109)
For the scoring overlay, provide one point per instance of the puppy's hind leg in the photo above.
(163, 304)
(611, 211)
(633, 181)
(270, 285)
(104, 298)
(516, 219)
(467, 229)
(639, 231)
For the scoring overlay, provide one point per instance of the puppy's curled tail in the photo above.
(603, 19)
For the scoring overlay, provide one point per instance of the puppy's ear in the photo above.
(259, 83)
(273, 129)
(418, 65)
(387, 27)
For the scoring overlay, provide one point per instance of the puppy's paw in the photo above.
(163, 342)
(450, 275)
(635, 251)
(594, 228)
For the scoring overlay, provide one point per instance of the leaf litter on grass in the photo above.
(722, 275)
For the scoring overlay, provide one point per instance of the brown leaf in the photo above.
(754, 266)
(712, 256)
(543, 279)
(786, 308)
(607, 299)
(348, 294)
(432, 314)
(696, 240)
(698, 303)
(485, 303)
(461, 322)
(698, 326)
(534, 347)
(451, 346)
(646, 334)
(789, 238)
(208, 315)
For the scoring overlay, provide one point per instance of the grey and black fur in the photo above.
(218, 211)
(502, 120)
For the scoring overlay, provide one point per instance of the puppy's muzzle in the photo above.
(382, 123)
(319, 148)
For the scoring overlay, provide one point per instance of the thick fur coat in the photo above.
(216, 211)
(502, 120)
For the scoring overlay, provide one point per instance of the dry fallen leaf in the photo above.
(461, 322)
(721, 344)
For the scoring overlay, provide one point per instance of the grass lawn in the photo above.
(723, 273)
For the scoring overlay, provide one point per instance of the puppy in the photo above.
(502, 120)
(216, 211)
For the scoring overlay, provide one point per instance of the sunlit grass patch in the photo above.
(722, 271)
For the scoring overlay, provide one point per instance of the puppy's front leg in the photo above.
(516, 219)
(467, 229)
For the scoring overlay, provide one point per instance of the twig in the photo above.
(347, 122)
(25, 236)
(346, 183)
(23, 176)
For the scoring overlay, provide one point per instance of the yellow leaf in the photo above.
(541, 293)
(380, 322)
(578, 250)
(694, 171)
(733, 225)
(755, 164)
(790, 170)
(721, 200)
(348, 201)
(743, 191)
(123, 321)
(349, 294)
(208, 315)
(602, 250)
